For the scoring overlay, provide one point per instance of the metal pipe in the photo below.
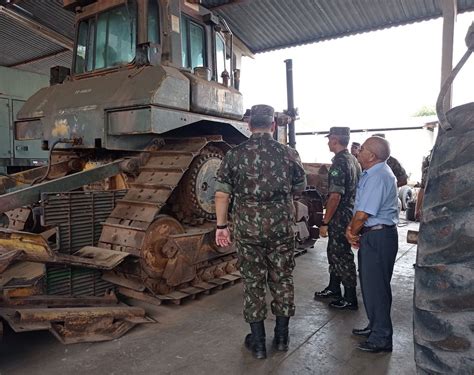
(291, 104)
(449, 8)
(324, 132)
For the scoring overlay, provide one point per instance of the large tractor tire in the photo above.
(406, 195)
(444, 276)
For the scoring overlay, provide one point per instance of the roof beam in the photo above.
(232, 2)
(38, 28)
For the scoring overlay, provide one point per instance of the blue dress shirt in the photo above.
(377, 195)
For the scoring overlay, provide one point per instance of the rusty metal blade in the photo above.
(8, 257)
(35, 248)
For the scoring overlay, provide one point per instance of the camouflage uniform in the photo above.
(397, 169)
(261, 174)
(343, 178)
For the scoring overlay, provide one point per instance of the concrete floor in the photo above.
(205, 336)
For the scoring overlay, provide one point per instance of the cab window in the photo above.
(192, 44)
(220, 57)
(153, 22)
(107, 39)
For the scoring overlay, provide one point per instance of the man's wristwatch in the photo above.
(223, 226)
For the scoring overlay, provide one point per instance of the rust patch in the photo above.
(61, 128)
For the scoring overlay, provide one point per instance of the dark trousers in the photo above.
(340, 255)
(376, 256)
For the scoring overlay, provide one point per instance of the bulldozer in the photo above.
(135, 134)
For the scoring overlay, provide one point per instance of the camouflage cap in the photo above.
(381, 135)
(262, 111)
(355, 144)
(339, 130)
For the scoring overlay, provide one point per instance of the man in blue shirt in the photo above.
(373, 230)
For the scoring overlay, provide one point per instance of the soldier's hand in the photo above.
(223, 237)
(323, 231)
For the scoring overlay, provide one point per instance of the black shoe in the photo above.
(282, 338)
(342, 304)
(255, 341)
(362, 332)
(372, 348)
(327, 293)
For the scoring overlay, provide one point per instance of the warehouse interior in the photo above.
(46, 137)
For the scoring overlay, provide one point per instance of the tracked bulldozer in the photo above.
(136, 133)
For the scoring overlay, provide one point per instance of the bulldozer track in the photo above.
(126, 227)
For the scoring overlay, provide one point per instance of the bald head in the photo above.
(378, 146)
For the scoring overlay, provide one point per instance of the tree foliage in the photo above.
(425, 111)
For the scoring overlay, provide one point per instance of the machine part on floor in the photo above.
(410, 211)
(317, 176)
(412, 237)
(405, 194)
(22, 279)
(184, 293)
(444, 288)
(66, 280)
(8, 258)
(36, 248)
(18, 218)
(73, 320)
(31, 194)
(309, 216)
(78, 216)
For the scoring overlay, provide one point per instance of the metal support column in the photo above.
(449, 8)
(291, 105)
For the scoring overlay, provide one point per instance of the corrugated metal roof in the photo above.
(51, 14)
(263, 25)
(19, 44)
(266, 25)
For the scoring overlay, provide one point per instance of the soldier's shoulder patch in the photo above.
(334, 172)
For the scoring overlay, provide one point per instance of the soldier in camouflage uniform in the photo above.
(395, 166)
(262, 175)
(343, 178)
(355, 149)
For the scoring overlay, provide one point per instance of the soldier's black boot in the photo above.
(348, 302)
(255, 341)
(281, 339)
(333, 290)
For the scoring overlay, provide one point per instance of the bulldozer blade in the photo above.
(8, 258)
(35, 248)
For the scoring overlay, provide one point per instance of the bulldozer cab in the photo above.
(117, 34)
